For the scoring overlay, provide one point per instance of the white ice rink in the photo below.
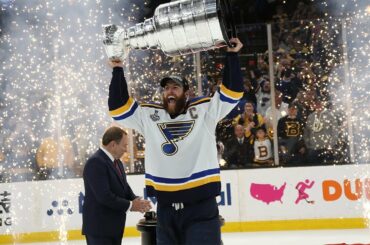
(311, 237)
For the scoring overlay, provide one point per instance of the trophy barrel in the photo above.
(177, 28)
(183, 27)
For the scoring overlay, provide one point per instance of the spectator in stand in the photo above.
(262, 148)
(321, 134)
(192, 93)
(249, 95)
(304, 102)
(289, 85)
(238, 149)
(213, 89)
(249, 119)
(264, 97)
(285, 42)
(250, 91)
(281, 110)
(305, 73)
(214, 86)
(262, 63)
(257, 79)
(290, 133)
(280, 19)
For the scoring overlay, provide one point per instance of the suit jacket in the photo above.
(236, 153)
(107, 198)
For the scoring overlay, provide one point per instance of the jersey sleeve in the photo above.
(123, 108)
(230, 91)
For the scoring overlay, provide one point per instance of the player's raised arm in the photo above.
(122, 108)
(232, 82)
(118, 92)
(231, 90)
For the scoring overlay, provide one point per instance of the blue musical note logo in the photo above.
(174, 132)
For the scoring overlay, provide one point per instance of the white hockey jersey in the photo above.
(180, 155)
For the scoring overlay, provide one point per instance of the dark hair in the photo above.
(238, 124)
(253, 105)
(293, 104)
(113, 134)
(257, 73)
(260, 128)
(250, 102)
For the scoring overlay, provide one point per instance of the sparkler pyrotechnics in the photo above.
(54, 76)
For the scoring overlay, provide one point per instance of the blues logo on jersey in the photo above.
(174, 132)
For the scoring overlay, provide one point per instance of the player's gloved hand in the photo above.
(113, 42)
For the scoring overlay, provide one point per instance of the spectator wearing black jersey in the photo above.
(290, 133)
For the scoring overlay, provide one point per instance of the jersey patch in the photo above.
(174, 132)
(155, 117)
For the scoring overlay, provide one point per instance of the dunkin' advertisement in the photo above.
(304, 193)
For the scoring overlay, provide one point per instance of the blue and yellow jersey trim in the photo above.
(199, 100)
(124, 111)
(228, 95)
(195, 180)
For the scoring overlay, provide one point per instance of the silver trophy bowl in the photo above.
(177, 28)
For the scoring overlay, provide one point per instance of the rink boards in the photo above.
(332, 197)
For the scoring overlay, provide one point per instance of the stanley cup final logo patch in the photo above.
(155, 117)
(174, 132)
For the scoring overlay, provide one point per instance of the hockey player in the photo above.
(181, 165)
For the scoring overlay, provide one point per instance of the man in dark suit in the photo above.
(108, 196)
(238, 149)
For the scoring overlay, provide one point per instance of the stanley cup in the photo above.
(177, 28)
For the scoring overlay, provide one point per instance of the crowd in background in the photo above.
(310, 129)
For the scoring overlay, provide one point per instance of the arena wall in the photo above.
(335, 197)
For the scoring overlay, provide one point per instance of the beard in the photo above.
(177, 107)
